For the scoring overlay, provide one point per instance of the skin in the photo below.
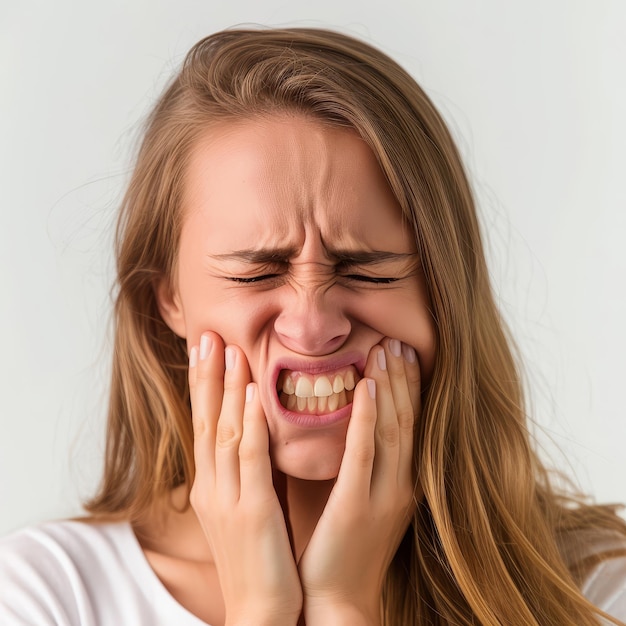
(299, 521)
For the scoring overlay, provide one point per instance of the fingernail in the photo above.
(249, 392)
(382, 361)
(206, 344)
(193, 357)
(396, 347)
(371, 388)
(230, 356)
(409, 353)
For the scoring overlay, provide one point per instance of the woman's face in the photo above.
(293, 247)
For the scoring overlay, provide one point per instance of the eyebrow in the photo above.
(282, 255)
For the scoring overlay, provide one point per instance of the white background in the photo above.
(534, 91)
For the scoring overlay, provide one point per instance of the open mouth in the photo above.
(316, 394)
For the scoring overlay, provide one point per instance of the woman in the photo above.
(307, 350)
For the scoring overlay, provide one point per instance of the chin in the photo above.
(308, 462)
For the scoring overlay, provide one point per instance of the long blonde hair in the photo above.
(486, 543)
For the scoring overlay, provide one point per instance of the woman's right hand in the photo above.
(232, 493)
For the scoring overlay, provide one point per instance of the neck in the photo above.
(174, 530)
(306, 500)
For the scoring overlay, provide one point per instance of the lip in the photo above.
(318, 366)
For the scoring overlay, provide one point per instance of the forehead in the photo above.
(267, 181)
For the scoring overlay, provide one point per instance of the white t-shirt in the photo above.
(71, 573)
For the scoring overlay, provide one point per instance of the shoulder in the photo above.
(66, 536)
(66, 547)
(69, 572)
(606, 586)
(605, 583)
(49, 574)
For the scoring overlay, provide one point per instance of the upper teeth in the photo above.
(318, 386)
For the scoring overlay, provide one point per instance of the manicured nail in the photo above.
(193, 357)
(409, 353)
(371, 388)
(230, 356)
(382, 361)
(206, 344)
(249, 392)
(396, 347)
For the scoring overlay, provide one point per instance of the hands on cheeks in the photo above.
(340, 575)
(232, 493)
(369, 509)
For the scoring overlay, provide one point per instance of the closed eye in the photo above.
(252, 279)
(380, 280)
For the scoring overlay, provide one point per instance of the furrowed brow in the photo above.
(368, 257)
(258, 255)
(282, 255)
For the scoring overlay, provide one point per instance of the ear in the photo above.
(170, 307)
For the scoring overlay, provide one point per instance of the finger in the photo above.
(193, 363)
(414, 385)
(355, 474)
(206, 367)
(230, 425)
(254, 458)
(387, 429)
(403, 403)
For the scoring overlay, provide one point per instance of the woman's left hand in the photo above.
(369, 509)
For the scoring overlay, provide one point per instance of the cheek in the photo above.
(424, 339)
(405, 316)
(236, 317)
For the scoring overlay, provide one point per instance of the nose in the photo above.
(312, 322)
